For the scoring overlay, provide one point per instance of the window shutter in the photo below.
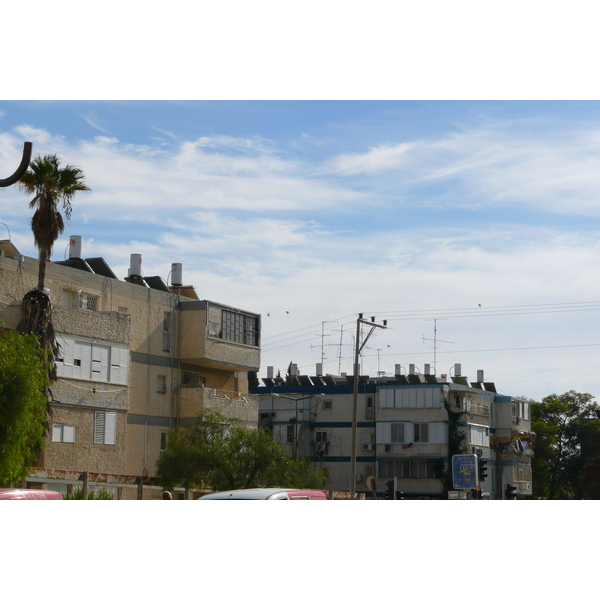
(100, 362)
(110, 428)
(99, 428)
(384, 433)
(83, 354)
(57, 433)
(69, 434)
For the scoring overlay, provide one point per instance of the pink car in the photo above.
(18, 494)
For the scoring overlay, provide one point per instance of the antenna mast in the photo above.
(435, 341)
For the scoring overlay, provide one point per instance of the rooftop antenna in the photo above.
(435, 341)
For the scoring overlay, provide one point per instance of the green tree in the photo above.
(559, 421)
(50, 183)
(220, 454)
(23, 420)
(93, 494)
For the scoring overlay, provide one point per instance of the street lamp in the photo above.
(296, 429)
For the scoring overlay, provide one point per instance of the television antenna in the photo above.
(435, 341)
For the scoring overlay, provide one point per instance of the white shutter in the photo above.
(57, 433)
(69, 434)
(386, 398)
(99, 427)
(110, 428)
(99, 370)
(412, 398)
(124, 366)
(384, 433)
(82, 355)
(64, 368)
(399, 398)
(119, 365)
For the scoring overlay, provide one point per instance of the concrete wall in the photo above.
(131, 316)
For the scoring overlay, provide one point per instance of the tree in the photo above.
(219, 453)
(559, 423)
(51, 184)
(23, 420)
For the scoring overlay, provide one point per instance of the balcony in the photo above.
(194, 399)
(210, 338)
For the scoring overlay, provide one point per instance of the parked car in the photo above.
(18, 494)
(266, 494)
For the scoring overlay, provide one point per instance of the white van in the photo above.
(266, 494)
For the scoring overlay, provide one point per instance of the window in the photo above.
(105, 428)
(68, 300)
(63, 433)
(369, 408)
(163, 441)
(192, 379)
(407, 469)
(161, 384)
(397, 433)
(166, 332)
(479, 435)
(421, 433)
(321, 436)
(88, 301)
(92, 362)
(240, 328)
(290, 434)
(520, 410)
(327, 404)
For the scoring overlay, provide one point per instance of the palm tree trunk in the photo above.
(42, 269)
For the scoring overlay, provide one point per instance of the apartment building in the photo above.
(408, 427)
(137, 357)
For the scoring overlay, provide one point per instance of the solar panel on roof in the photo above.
(156, 283)
(100, 267)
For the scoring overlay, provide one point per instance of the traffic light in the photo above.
(482, 469)
(399, 495)
(389, 495)
(511, 492)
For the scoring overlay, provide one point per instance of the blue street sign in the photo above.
(464, 472)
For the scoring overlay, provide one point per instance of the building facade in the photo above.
(137, 357)
(408, 428)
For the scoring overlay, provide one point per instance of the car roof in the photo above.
(249, 494)
(23, 494)
(257, 494)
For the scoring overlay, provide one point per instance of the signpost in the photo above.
(464, 472)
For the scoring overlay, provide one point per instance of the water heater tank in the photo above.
(176, 274)
(75, 246)
(135, 265)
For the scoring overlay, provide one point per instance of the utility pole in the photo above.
(360, 321)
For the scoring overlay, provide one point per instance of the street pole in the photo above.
(357, 351)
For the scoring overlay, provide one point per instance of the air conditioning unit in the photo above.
(518, 420)
(369, 447)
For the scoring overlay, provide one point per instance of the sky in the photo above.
(433, 164)
(471, 227)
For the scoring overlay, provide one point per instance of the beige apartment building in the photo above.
(137, 357)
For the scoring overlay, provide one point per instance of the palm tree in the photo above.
(52, 184)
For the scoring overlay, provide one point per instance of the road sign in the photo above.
(464, 471)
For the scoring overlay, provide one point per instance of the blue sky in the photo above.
(314, 211)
